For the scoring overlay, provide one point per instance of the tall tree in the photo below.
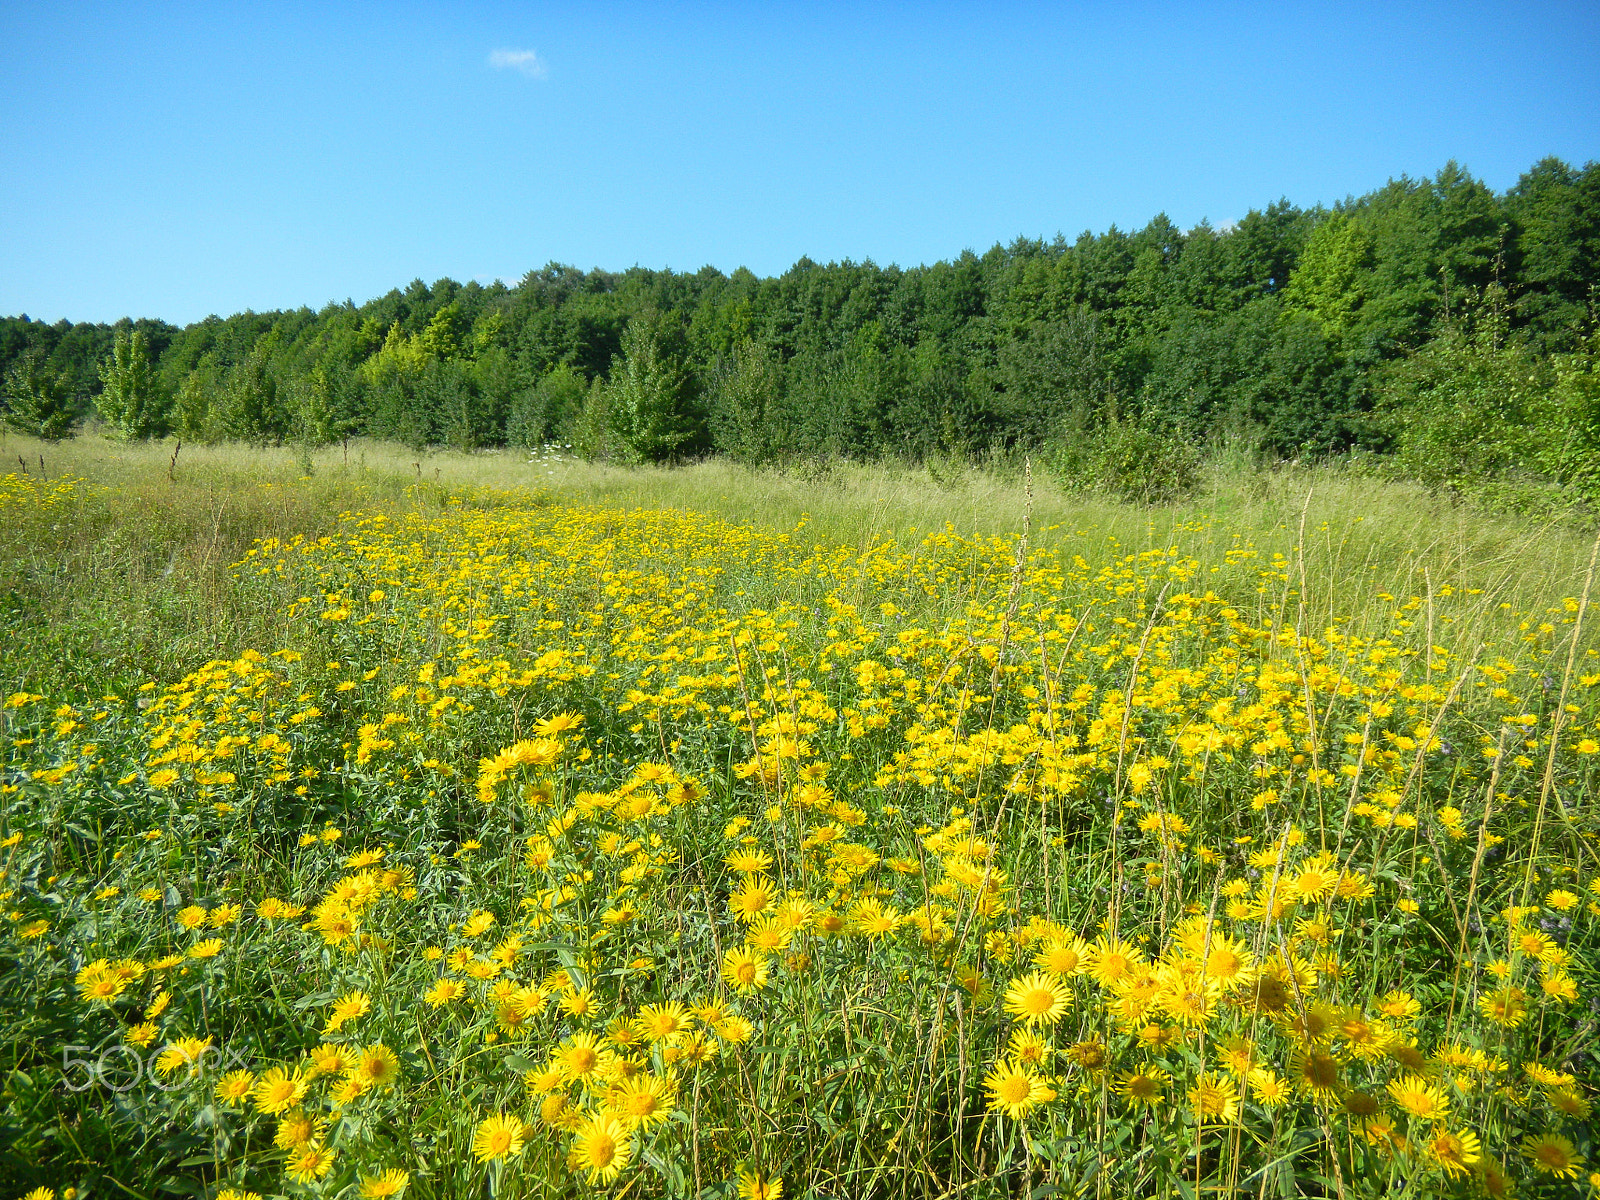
(131, 399)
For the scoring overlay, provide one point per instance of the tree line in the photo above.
(1432, 325)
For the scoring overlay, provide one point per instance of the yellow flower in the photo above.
(745, 972)
(330, 1059)
(581, 1056)
(753, 1186)
(1143, 1088)
(297, 1129)
(310, 1163)
(1013, 1091)
(748, 862)
(1505, 1006)
(1419, 1097)
(601, 1148)
(1268, 1088)
(1552, 1154)
(209, 948)
(349, 1007)
(642, 1101)
(376, 1066)
(1316, 1071)
(391, 1183)
(1454, 1152)
(663, 1022)
(100, 987)
(499, 1136)
(185, 1052)
(1037, 999)
(1214, 1099)
(234, 1087)
(753, 899)
(443, 992)
(278, 1089)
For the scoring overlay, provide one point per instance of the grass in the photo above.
(536, 828)
(141, 581)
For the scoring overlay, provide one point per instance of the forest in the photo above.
(1432, 329)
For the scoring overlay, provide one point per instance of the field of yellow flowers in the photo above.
(568, 850)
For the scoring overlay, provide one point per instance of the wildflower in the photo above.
(1062, 957)
(310, 1163)
(1570, 1103)
(1560, 986)
(1091, 1055)
(1111, 959)
(753, 899)
(376, 1066)
(296, 1129)
(748, 862)
(601, 1148)
(234, 1087)
(580, 1003)
(1315, 1070)
(1419, 1097)
(278, 1089)
(1238, 1055)
(743, 971)
(1214, 1099)
(753, 1186)
(330, 1059)
(1316, 880)
(1505, 1006)
(1143, 1088)
(349, 1007)
(499, 1136)
(443, 992)
(185, 1052)
(1012, 1090)
(580, 1056)
(1189, 1001)
(1037, 999)
(643, 1101)
(663, 1022)
(1453, 1152)
(1552, 1154)
(391, 1183)
(768, 935)
(101, 987)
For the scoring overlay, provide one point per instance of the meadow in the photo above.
(378, 823)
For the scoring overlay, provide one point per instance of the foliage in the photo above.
(547, 410)
(1480, 415)
(650, 397)
(1132, 459)
(37, 399)
(131, 398)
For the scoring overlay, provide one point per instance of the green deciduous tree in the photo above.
(38, 400)
(1332, 281)
(131, 399)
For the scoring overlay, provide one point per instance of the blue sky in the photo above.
(177, 160)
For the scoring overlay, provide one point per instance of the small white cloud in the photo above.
(525, 61)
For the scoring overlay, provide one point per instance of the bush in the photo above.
(1130, 459)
